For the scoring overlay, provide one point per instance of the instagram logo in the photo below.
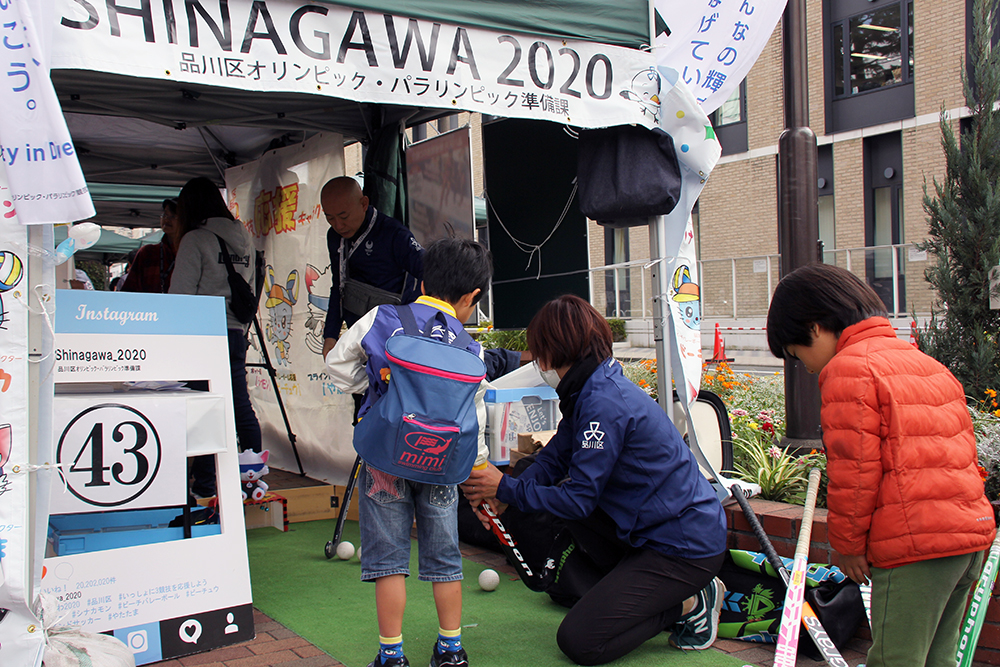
(137, 641)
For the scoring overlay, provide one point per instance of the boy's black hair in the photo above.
(455, 267)
(822, 294)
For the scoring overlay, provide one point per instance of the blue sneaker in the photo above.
(698, 629)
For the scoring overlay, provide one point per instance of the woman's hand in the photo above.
(495, 505)
(856, 568)
(482, 484)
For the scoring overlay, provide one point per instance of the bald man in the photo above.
(374, 259)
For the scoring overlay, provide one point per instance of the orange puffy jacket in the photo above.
(904, 484)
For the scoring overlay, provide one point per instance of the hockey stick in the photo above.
(809, 618)
(981, 596)
(331, 547)
(791, 615)
(866, 598)
(509, 546)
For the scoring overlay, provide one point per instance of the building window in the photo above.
(730, 122)
(827, 212)
(873, 50)
(616, 281)
(884, 267)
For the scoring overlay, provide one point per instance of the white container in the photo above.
(518, 410)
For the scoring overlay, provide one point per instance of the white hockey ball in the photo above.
(345, 550)
(489, 580)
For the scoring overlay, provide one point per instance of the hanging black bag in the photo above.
(627, 174)
(243, 301)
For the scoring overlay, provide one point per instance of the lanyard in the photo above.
(353, 248)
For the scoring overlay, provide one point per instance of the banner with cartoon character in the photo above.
(21, 638)
(697, 153)
(277, 198)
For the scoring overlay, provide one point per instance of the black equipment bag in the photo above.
(627, 174)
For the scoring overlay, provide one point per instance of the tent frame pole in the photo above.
(661, 310)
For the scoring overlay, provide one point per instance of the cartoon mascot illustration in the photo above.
(279, 305)
(687, 298)
(645, 91)
(11, 272)
(318, 286)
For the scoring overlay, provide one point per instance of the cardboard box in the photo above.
(271, 510)
(518, 410)
(529, 443)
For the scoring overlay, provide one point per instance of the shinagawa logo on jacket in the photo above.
(593, 439)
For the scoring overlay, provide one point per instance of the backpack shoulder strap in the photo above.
(405, 314)
(225, 254)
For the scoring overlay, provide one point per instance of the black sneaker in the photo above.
(698, 629)
(449, 658)
(401, 661)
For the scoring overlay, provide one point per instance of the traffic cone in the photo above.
(719, 353)
(913, 334)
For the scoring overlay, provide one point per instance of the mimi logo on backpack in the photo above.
(424, 428)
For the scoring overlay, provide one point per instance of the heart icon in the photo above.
(190, 631)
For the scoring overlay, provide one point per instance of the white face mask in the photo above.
(550, 376)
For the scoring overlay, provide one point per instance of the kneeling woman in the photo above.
(631, 493)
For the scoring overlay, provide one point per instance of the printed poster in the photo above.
(277, 198)
(18, 644)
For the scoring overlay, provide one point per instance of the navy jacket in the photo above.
(622, 454)
(383, 258)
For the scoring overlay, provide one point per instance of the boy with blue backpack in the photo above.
(411, 469)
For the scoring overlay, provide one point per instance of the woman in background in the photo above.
(153, 264)
(201, 269)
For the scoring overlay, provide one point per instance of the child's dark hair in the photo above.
(455, 267)
(199, 200)
(568, 329)
(822, 294)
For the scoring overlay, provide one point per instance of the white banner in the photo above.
(46, 182)
(18, 646)
(368, 56)
(277, 198)
(714, 43)
(697, 153)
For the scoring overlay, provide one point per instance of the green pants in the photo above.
(917, 611)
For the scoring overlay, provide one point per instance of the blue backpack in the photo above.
(424, 428)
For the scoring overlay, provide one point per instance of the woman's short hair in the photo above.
(199, 200)
(822, 294)
(566, 330)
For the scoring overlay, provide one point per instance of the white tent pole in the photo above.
(661, 321)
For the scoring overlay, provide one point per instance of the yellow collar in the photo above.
(437, 303)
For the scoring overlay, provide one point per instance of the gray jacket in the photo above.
(201, 269)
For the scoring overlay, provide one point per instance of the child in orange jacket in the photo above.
(905, 499)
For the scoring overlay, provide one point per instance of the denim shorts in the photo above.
(388, 506)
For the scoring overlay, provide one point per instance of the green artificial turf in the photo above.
(325, 602)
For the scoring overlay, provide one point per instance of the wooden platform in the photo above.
(309, 499)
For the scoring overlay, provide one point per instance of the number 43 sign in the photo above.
(119, 451)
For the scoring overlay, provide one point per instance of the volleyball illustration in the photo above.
(11, 270)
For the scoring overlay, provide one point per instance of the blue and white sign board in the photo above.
(169, 598)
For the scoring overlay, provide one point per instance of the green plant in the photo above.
(617, 330)
(963, 223)
(643, 374)
(782, 476)
(509, 339)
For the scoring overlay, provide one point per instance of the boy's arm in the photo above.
(851, 422)
(346, 361)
